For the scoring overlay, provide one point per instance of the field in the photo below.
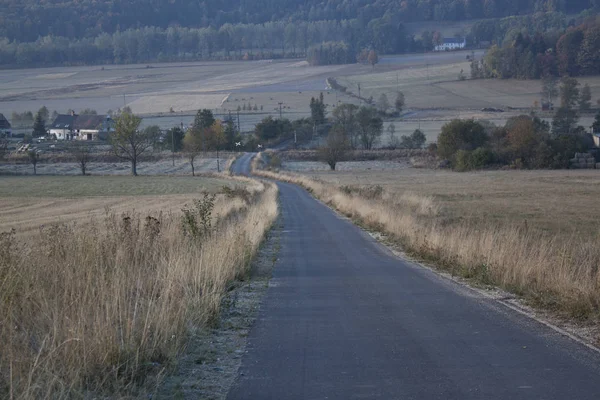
(528, 232)
(163, 166)
(28, 202)
(155, 89)
(554, 201)
(104, 303)
(434, 95)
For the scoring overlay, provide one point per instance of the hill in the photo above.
(75, 32)
(26, 20)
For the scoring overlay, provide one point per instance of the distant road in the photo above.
(345, 319)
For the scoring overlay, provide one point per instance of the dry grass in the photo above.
(98, 309)
(28, 202)
(558, 202)
(554, 270)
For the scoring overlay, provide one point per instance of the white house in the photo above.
(451, 44)
(62, 127)
(81, 127)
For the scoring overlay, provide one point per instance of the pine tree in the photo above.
(596, 124)
(39, 126)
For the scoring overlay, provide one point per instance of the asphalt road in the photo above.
(345, 319)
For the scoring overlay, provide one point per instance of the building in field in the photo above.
(62, 127)
(5, 127)
(451, 44)
(81, 127)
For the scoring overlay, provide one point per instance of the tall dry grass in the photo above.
(93, 310)
(555, 271)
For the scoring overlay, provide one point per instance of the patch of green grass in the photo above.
(93, 186)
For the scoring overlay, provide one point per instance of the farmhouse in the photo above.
(451, 44)
(62, 127)
(4, 126)
(81, 127)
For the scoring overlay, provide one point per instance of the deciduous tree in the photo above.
(370, 127)
(128, 142)
(585, 98)
(34, 159)
(81, 153)
(460, 135)
(335, 148)
(399, 103)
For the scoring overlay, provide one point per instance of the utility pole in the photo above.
(295, 138)
(238, 118)
(280, 112)
(397, 83)
(359, 98)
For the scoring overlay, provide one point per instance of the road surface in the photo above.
(345, 319)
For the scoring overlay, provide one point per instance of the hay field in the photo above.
(28, 202)
(431, 86)
(155, 88)
(562, 202)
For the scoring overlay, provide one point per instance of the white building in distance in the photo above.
(451, 44)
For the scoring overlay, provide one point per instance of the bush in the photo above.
(460, 135)
(469, 160)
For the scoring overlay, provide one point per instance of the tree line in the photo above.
(573, 52)
(99, 32)
(525, 141)
(26, 20)
(229, 42)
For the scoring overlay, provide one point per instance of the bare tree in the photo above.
(129, 142)
(344, 116)
(335, 148)
(34, 158)
(81, 153)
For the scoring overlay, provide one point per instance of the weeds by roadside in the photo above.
(103, 308)
(554, 272)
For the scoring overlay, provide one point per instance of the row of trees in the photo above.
(240, 41)
(573, 52)
(523, 142)
(26, 20)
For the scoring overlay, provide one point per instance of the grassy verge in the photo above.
(104, 309)
(552, 271)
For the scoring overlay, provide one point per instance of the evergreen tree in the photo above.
(39, 126)
(596, 124)
(317, 109)
(204, 119)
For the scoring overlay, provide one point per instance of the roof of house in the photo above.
(89, 122)
(4, 124)
(453, 41)
(63, 121)
(78, 122)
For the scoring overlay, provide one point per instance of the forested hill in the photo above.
(26, 20)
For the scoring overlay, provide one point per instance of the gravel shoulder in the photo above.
(211, 362)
